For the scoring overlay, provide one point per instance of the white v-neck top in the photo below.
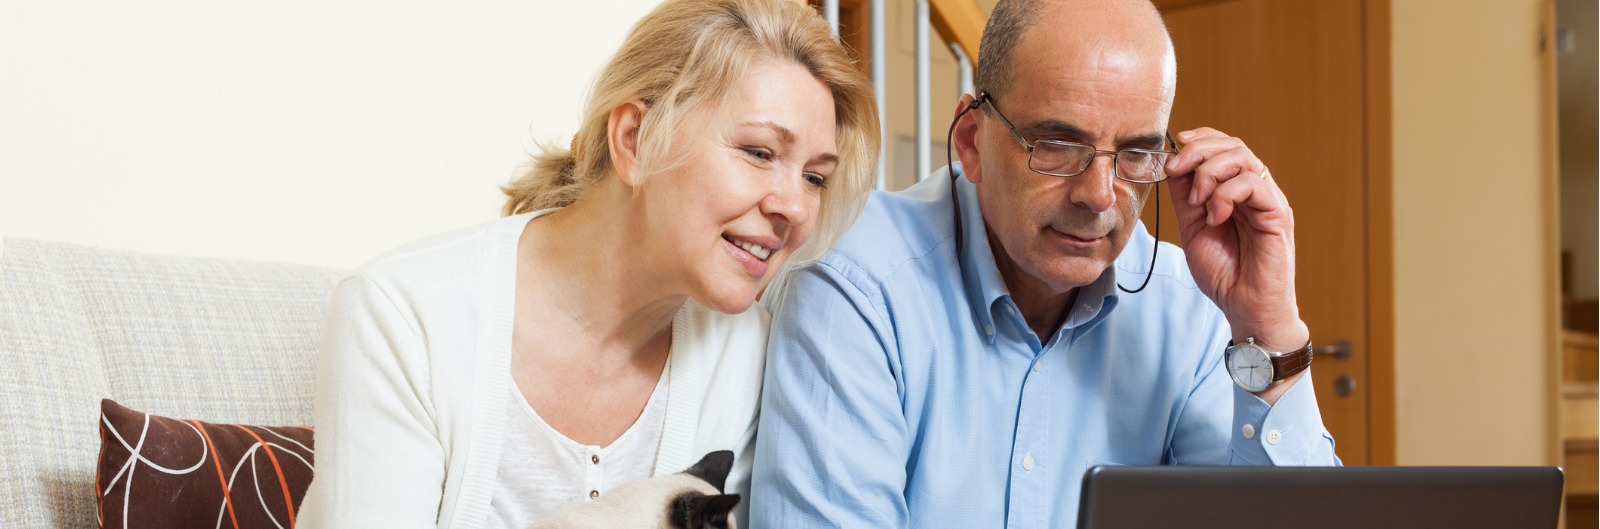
(542, 470)
(414, 373)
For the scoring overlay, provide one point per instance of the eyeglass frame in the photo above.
(1095, 152)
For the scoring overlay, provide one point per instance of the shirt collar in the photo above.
(981, 277)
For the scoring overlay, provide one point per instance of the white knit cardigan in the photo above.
(414, 370)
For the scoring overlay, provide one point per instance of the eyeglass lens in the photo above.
(1068, 159)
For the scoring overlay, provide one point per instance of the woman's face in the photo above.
(748, 186)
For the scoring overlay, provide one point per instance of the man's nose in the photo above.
(1095, 187)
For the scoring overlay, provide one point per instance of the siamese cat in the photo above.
(691, 499)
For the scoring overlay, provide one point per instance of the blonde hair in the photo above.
(687, 54)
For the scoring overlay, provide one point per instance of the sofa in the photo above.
(221, 341)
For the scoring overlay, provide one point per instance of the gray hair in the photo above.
(1010, 19)
(1006, 25)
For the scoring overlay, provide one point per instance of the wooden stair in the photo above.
(1580, 427)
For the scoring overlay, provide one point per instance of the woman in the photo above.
(603, 331)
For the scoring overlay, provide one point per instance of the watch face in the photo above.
(1250, 367)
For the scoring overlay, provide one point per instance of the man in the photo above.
(960, 362)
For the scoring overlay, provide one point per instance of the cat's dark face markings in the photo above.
(713, 468)
(693, 510)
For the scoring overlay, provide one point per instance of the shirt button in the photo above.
(1274, 436)
(1010, 310)
(1027, 463)
(595, 459)
(1036, 367)
(988, 329)
(594, 494)
(1249, 431)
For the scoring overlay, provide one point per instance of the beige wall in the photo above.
(300, 131)
(1473, 233)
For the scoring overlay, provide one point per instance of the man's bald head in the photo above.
(1133, 23)
(1097, 73)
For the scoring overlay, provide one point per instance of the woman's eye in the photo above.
(758, 153)
(817, 180)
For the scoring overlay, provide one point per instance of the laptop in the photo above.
(1143, 497)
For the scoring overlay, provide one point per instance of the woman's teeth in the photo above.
(755, 249)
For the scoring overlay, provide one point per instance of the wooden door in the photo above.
(1288, 77)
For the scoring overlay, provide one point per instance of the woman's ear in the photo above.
(965, 138)
(622, 139)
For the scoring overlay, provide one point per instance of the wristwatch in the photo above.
(1255, 369)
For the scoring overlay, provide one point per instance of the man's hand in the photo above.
(1238, 235)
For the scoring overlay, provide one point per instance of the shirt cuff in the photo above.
(1287, 434)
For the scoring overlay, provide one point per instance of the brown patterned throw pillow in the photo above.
(172, 473)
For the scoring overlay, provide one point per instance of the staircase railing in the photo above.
(959, 23)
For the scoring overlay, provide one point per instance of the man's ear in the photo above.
(622, 139)
(965, 138)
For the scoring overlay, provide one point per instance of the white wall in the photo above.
(298, 131)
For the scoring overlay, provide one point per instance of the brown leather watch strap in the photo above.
(1291, 362)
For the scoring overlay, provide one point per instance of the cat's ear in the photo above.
(694, 510)
(713, 468)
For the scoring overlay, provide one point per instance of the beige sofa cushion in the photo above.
(216, 340)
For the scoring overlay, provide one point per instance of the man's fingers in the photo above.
(1229, 195)
(1267, 206)
(1185, 212)
(1194, 135)
(1198, 151)
(1214, 173)
(1221, 168)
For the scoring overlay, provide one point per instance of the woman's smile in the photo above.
(759, 250)
(750, 252)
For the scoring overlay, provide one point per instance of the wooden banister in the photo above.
(960, 22)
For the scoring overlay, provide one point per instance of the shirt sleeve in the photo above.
(1288, 433)
(379, 462)
(833, 442)
(1218, 414)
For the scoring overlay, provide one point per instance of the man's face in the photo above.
(1059, 233)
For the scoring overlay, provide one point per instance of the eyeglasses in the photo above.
(1144, 166)
(1065, 158)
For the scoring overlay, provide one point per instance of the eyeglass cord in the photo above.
(950, 165)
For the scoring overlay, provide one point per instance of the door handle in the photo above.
(1344, 385)
(1339, 350)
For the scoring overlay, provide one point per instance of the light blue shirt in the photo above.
(904, 389)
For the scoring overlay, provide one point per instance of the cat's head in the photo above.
(699, 510)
